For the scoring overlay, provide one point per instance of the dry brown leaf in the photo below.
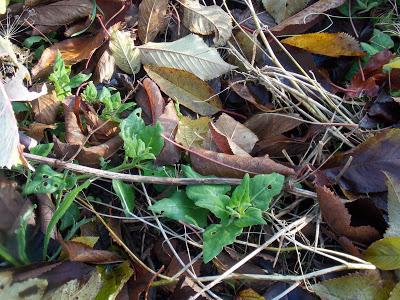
(222, 142)
(80, 252)
(170, 154)
(51, 16)
(338, 218)
(45, 108)
(46, 211)
(192, 132)
(224, 165)
(328, 44)
(156, 100)
(306, 18)
(282, 9)
(152, 19)
(36, 130)
(73, 133)
(72, 51)
(237, 133)
(105, 68)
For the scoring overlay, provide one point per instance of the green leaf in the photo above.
(90, 93)
(240, 199)
(46, 180)
(125, 194)
(70, 217)
(42, 149)
(384, 253)
(216, 237)
(78, 79)
(60, 211)
(252, 216)
(30, 41)
(113, 279)
(395, 293)
(140, 141)
(381, 40)
(180, 208)
(367, 286)
(264, 187)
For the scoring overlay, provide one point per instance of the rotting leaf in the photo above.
(186, 89)
(224, 165)
(321, 43)
(338, 218)
(364, 173)
(152, 19)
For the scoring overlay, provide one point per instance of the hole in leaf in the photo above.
(269, 187)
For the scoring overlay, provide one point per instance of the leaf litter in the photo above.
(199, 149)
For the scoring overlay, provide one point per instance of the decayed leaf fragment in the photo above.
(206, 20)
(224, 165)
(123, 49)
(189, 53)
(324, 43)
(152, 19)
(186, 89)
(338, 218)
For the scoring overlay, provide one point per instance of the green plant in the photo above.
(242, 208)
(63, 83)
(113, 105)
(141, 142)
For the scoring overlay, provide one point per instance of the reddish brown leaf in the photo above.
(72, 50)
(156, 100)
(338, 218)
(170, 154)
(364, 173)
(224, 165)
(80, 252)
(306, 18)
(372, 74)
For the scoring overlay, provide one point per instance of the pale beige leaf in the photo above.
(13, 290)
(125, 53)
(105, 68)
(3, 6)
(393, 204)
(189, 53)
(186, 89)
(206, 20)
(152, 19)
(282, 9)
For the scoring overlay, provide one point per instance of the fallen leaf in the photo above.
(321, 43)
(192, 132)
(186, 89)
(186, 288)
(393, 206)
(282, 9)
(170, 154)
(72, 51)
(249, 294)
(238, 139)
(36, 130)
(54, 15)
(336, 215)
(156, 100)
(366, 286)
(123, 49)
(364, 174)
(189, 53)
(206, 20)
(152, 19)
(80, 252)
(306, 18)
(45, 108)
(3, 6)
(105, 68)
(384, 253)
(224, 165)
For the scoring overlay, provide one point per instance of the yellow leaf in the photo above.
(249, 294)
(191, 133)
(393, 64)
(87, 240)
(329, 44)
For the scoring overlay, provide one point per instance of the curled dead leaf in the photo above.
(224, 165)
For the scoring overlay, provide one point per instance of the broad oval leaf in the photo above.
(206, 20)
(384, 253)
(152, 19)
(186, 89)
(321, 43)
(189, 53)
(123, 49)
